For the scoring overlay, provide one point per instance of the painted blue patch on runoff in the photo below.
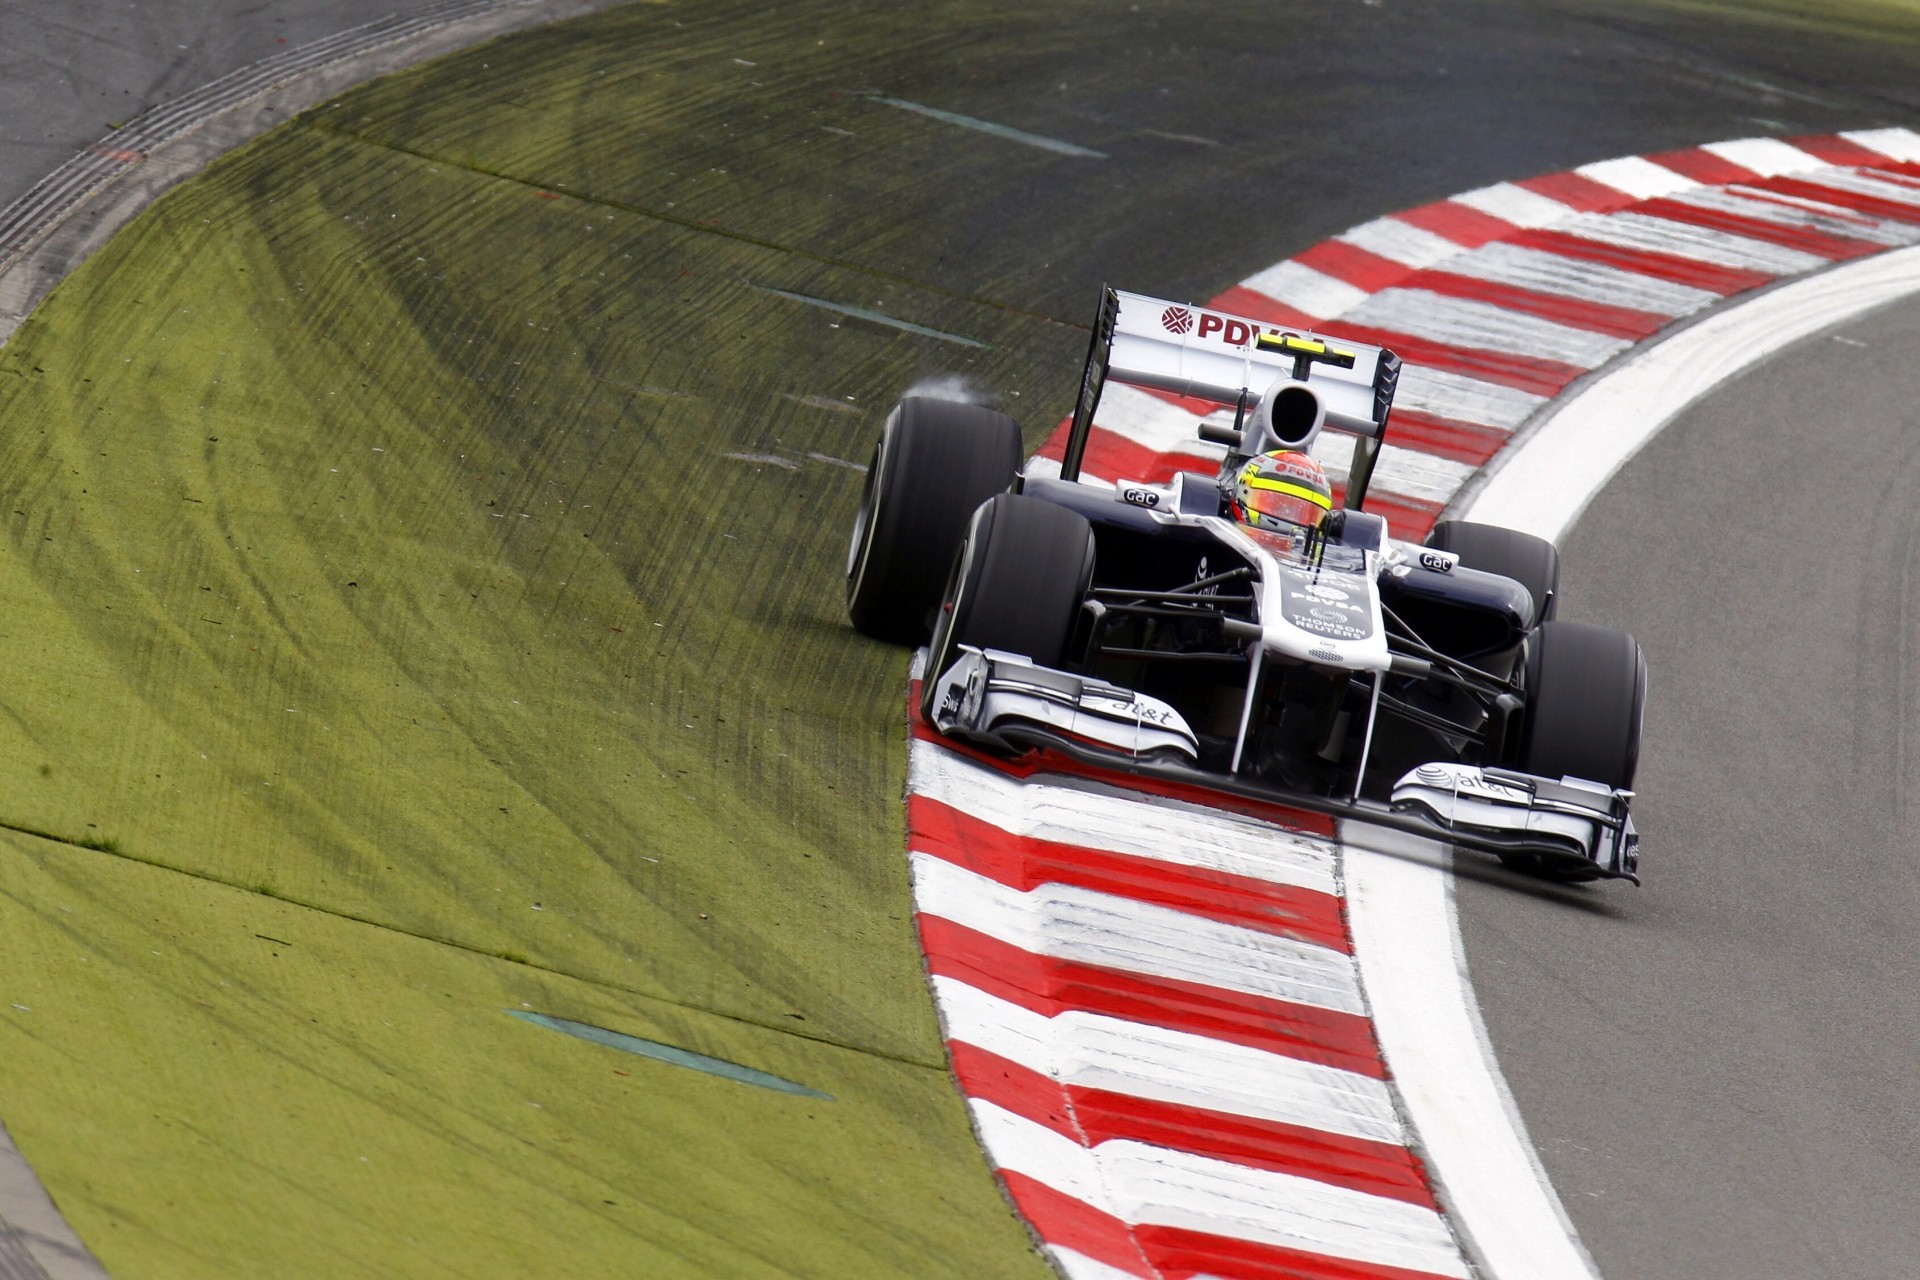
(666, 1053)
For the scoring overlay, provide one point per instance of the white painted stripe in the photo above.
(1406, 473)
(1400, 907)
(1297, 285)
(1544, 272)
(1088, 927)
(1078, 1266)
(1543, 487)
(1881, 186)
(1471, 1134)
(1094, 1051)
(1466, 323)
(1636, 176)
(1456, 396)
(1022, 1146)
(1516, 204)
(1399, 242)
(1097, 817)
(1898, 144)
(1806, 215)
(971, 1016)
(1632, 230)
(1768, 157)
(1142, 1185)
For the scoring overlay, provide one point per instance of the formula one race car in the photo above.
(1152, 629)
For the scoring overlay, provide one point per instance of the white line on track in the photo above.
(1400, 899)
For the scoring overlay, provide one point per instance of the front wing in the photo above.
(1572, 827)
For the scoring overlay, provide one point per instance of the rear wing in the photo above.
(1213, 355)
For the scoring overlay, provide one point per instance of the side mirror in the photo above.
(1214, 433)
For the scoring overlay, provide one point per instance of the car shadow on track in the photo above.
(1597, 897)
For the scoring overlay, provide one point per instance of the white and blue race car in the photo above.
(1139, 627)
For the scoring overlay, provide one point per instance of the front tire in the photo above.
(1586, 687)
(1016, 584)
(935, 462)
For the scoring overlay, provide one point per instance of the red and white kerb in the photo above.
(1152, 1002)
(1498, 298)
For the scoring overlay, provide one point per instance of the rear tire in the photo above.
(1016, 584)
(1532, 562)
(935, 462)
(1586, 686)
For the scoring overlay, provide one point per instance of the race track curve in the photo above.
(1447, 108)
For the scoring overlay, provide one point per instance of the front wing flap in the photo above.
(1569, 821)
(985, 690)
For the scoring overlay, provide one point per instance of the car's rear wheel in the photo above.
(935, 462)
(1532, 562)
(1016, 584)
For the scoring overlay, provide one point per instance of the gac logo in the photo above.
(1438, 561)
(1140, 497)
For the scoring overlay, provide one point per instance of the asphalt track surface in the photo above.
(1717, 1070)
(1713, 1068)
(72, 72)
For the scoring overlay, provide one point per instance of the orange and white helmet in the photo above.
(1283, 491)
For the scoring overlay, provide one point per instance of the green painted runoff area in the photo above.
(422, 572)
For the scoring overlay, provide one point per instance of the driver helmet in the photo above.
(1283, 491)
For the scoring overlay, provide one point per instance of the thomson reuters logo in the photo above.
(1177, 319)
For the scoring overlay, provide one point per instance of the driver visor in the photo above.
(1275, 499)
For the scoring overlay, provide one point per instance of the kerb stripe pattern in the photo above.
(1498, 298)
(1149, 996)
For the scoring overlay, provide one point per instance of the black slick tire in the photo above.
(935, 462)
(1586, 687)
(1016, 585)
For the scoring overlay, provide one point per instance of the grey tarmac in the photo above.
(1718, 1070)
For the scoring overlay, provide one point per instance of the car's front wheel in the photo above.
(1586, 687)
(1016, 584)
